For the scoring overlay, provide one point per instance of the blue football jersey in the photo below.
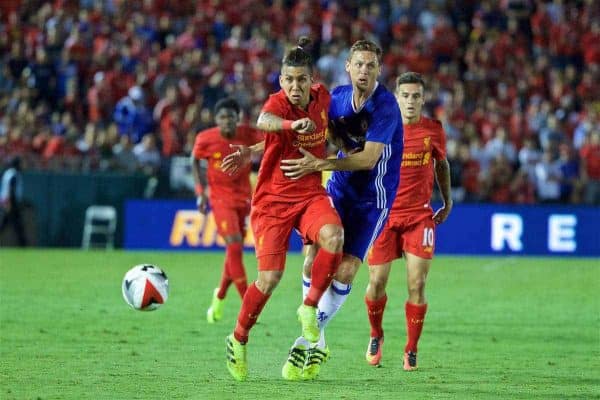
(379, 120)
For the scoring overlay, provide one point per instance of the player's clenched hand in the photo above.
(202, 203)
(236, 160)
(442, 214)
(304, 125)
(299, 167)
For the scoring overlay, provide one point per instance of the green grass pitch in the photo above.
(505, 327)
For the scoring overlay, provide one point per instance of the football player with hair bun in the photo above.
(295, 122)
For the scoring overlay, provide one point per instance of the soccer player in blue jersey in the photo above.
(366, 125)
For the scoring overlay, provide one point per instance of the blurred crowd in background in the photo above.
(115, 85)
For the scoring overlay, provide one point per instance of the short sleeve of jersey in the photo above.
(385, 119)
(276, 104)
(200, 149)
(439, 143)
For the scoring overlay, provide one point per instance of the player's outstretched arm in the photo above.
(272, 123)
(240, 157)
(442, 177)
(362, 160)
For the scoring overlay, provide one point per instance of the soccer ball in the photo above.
(145, 287)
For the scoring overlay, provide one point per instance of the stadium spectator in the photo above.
(147, 154)
(123, 157)
(548, 177)
(229, 194)
(11, 200)
(410, 230)
(529, 156)
(499, 145)
(495, 188)
(590, 158)
(132, 116)
(99, 100)
(522, 189)
(570, 186)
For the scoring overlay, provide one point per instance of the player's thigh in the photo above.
(271, 235)
(318, 213)
(227, 220)
(387, 247)
(362, 226)
(417, 269)
(419, 237)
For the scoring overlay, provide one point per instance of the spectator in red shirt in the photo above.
(590, 160)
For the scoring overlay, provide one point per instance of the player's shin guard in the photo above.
(331, 301)
(252, 305)
(324, 268)
(375, 310)
(237, 273)
(415, 316)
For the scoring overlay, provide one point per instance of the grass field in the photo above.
(510, 328)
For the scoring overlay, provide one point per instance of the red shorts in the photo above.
(231, 220)
(272, 226)
(413, 234)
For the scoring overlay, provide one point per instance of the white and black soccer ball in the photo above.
(145, 287)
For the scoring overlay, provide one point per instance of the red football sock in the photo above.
(324, 268)
(252, 305)
(225, 281)
(237, 273)
(415, 316)
(375, 310)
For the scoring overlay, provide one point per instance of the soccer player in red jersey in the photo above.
(293, 118)
(410, 229)
(229, 193)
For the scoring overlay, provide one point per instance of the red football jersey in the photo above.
(423, 141)
(272, 184)
(232, 190)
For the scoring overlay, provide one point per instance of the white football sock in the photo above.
(321, 343)
(331, 301)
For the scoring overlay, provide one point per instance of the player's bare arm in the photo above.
(241, 156)
(201, 182)
(362, 160)
(442, 177)
(272, 123)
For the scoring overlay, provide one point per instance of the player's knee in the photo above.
(331, 238)
(416, 287)
(347, 270)
(416, 283)
(268, 281)
(378, 284)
